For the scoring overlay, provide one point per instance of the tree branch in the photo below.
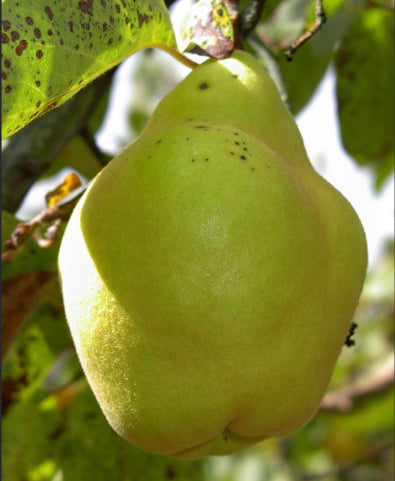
(31, 150)
(251, 15)
(343, 399)
(52, 218)
(319, 22)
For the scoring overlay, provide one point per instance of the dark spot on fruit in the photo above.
(3, 75)
(48, 11)
(21, 47)
(236, 133)
(14, 36)
(193, 160)
(7, 63)
(50, 32)
(6, 25)
(8, 89)
(245, 149)
(117, 8)
(206, 159)
(4, 38)
(242, 157)
(143, 18)
(189, 120)
(37, 33)
(110, 41)
(112, 21)
(204, 86)
(159, 141)
(105, 26)
(220, 12)
(232, 153)
(86, 7)
(38, 83)
(235, 76)
(38, 103)
(76, 47)
(236, 143)
(91, 45)
(201, 127)
(39, 54)
(187, 138)
(71, 26)
(104, 3)
(29, 20)
(252, 168)
(61, 41)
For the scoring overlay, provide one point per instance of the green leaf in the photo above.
(51, 51)
(365, 90)
(76, 443)
(304, 73)
(286, 23)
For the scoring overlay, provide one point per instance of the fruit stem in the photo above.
(177, 55)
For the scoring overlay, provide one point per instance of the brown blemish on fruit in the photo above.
(50, 32)
(29, 20)
(6, 25)
(4, 38)
(37, 33)
(243, 157)
(117, 8)
(8, 89)
(14, 36)
(38, 103)
(71, 26)
(39, 54)
(3, 75)
(143, 18)
(204, 86)
(38, 83)
(7, 63)
(48, 11)
(86, 7)
(21, 47)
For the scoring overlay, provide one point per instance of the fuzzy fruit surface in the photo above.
(209, 274)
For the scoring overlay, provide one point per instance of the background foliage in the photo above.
(53, 429)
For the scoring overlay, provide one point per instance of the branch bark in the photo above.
(343, 399)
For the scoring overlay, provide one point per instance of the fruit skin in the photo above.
(209, 274)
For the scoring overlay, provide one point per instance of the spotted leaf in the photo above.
(53, 49)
